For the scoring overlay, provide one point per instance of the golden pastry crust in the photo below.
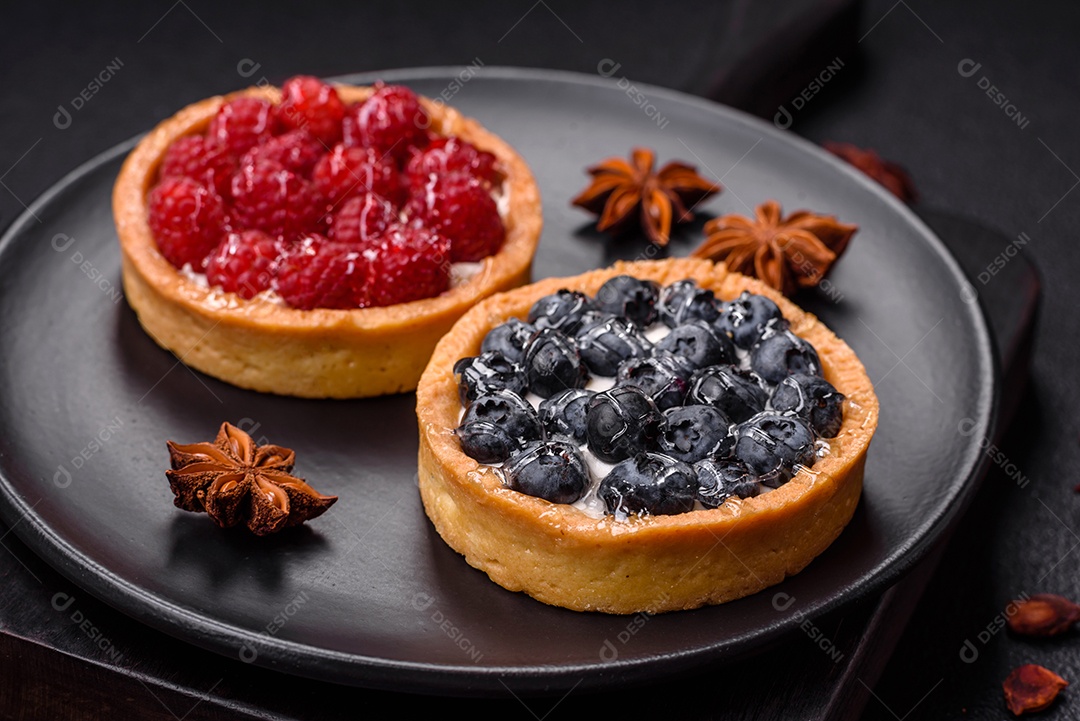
(267, 346)
(561, 556)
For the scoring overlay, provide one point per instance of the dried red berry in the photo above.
(888, 174)
(390, 120)
(241, 124)
(446, 156)
(1032, 688)
(296, 150)
(187, 219)
(244, 263)
(320, 273)
(462, 210)
(311, 104)
(363, 219)
(277, 201)
(409, 264)
(348, 171)
(197, 158)
(1044, 614)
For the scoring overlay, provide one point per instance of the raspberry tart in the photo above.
(317, 240)
(655, 436)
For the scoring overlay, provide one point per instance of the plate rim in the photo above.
(460, 679)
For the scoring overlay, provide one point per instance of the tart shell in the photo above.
(561, 556)
(267, 346)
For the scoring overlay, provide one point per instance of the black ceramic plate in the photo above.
(369, 594)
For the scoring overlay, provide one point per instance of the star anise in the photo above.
(887, 173)
(624, 193)
(787, 253)
(234, 480)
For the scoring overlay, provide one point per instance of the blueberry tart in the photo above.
(666, 405)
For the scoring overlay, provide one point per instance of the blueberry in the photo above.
(721, 479)
(631, 298)
(685, 300)
(553, 470)
(739, 394)
(782, 353)
(486, 442)
(699, 343)
(564, 413)
(813, 399)
(649, 483)
(606, 343)
(694, 432)
(663, 376)
(552, 364)
(745, 318)
(561, 310)
(621, 422)
(487, 372)
(509, 338)
(496, 425)
(508, 409)
(771, 445)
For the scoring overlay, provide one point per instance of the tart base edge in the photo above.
(618, 574)
(336, 360)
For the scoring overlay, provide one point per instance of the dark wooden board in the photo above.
(65, 655)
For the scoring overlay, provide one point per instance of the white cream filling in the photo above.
(462, 273)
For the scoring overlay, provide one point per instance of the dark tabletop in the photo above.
(913, 84)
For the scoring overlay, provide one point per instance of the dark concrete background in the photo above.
(913, 87)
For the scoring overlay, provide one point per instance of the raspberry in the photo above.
(309, 103)
(345, 172)
(296, 150)
(197, 158)
(363, 219)
(244, 263)
(319, 273)
(391, 121)
(463, 210)
(187, 220)
(410, 264)
(446, 156)
(241, 124)
(277, 201)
